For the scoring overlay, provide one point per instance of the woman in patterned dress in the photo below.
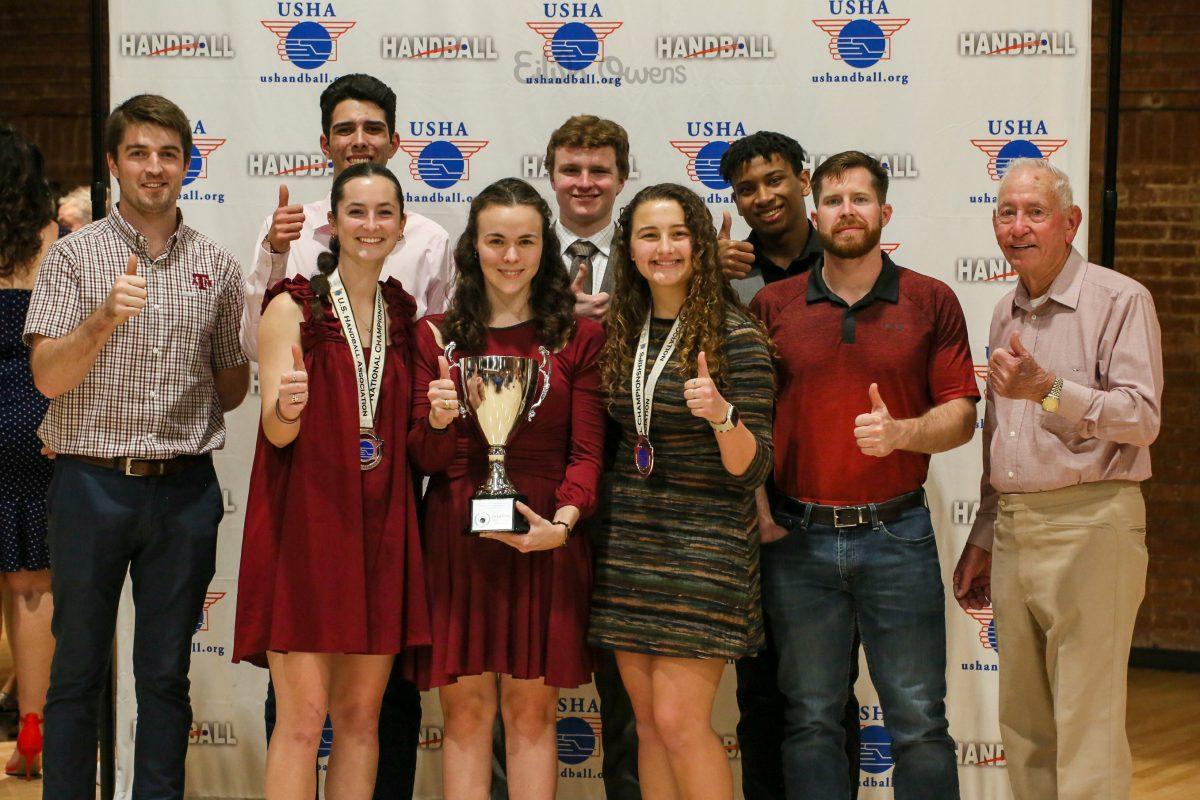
(676, 590)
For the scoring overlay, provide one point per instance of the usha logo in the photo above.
(202, 146)
(307, 43)
(874, 747)
(440, 162)
(1024, 138)
(578, 737)
(987, 622)
(210, 600)
(861, 42)
(704, 155)
(574, 36)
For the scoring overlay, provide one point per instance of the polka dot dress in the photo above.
(24, 472)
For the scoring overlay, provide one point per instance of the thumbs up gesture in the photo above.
(592, 306)
(702, 396)
(736, 258)
(286, 223)
(877, 432)
(293, 386)
(1014, 373)
(443, 397)
(127, 297)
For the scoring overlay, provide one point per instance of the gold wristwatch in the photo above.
(1050, 401)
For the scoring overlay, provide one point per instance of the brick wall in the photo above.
(45, 81)
(45, 91)
(1158, 243)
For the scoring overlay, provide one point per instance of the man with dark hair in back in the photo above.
(133, 326)
(769, 180)
(875, 375)
(358, 124)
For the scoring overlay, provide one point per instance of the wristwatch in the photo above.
(1050, 401)
(729, 423)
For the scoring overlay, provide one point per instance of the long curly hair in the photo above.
(709, 297)
(327, 262)
(26, 204)
(550, 295)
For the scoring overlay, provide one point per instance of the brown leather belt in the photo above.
(141, 467)
(849, 516)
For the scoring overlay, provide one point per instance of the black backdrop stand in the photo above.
(1112, 114)
(108, 750)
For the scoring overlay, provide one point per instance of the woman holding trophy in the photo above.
(689, 378)
(332, 584)
(514, 463)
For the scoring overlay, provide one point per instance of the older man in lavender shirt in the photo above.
(1073, 404)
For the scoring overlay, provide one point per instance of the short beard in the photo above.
(852, 250)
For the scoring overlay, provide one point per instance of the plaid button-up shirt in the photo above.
(150, 393)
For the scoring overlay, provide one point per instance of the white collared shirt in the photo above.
(422, 262)
(602, 239)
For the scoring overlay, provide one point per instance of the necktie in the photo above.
(581, 251)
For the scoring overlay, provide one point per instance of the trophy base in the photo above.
(498, 515)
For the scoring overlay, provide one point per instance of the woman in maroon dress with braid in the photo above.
(331, 586)
(509, 611)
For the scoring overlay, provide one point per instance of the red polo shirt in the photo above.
(907, 334)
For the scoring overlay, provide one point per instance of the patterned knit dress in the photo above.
(677, 552)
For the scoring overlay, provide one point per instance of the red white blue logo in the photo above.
(444, 157)
(197, 167)
(573, 34)
(210, 600)
(1016, 138)
(578, 738)
(984, 616)
(704, 154)
(861, 43)
(307, 43)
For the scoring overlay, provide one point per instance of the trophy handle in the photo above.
(448, 352)
(544, 374)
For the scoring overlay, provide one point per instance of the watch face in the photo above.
(734, 417)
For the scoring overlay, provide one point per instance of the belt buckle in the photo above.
(855, 520)
(157, 468)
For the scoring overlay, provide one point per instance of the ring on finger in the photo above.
(295, 397)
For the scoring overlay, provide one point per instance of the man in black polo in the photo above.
(770, 182)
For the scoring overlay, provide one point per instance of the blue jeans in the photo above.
(163, 530)
(816, 581)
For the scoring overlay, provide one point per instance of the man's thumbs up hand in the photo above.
(286, 223)
(876, 432)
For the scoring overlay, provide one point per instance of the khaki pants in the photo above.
(1068, 575)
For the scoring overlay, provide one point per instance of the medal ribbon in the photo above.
(642, 387)
(367, 376)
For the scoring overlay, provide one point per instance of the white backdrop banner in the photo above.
(943, 93)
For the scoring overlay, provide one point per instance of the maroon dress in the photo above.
(493, 608)
(331, 559)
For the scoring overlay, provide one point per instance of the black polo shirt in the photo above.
(765, 271)
(887, 287)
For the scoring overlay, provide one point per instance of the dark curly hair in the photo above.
(327, 262)
(25, 201)
(709, 296)
(551, 298)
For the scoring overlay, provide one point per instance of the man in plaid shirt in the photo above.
(134, 330)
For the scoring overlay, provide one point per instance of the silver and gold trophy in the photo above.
(498, 392)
